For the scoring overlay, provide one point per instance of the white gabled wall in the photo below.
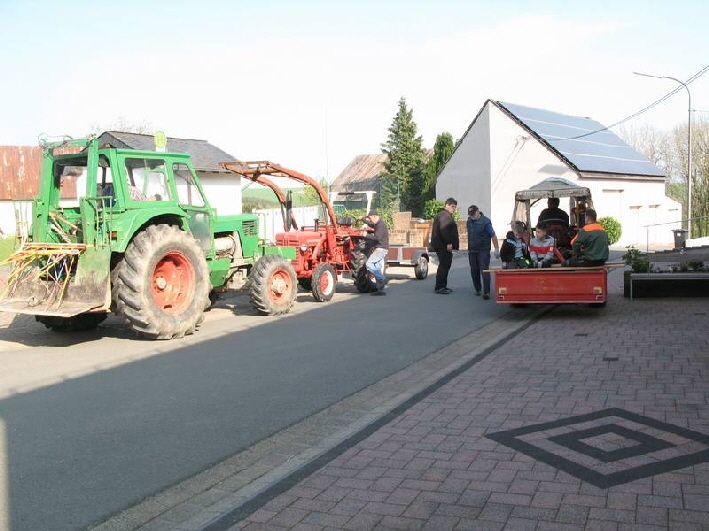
(497, 157)
(223, 191)
(466, 175)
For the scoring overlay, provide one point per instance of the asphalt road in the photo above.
(94, 423)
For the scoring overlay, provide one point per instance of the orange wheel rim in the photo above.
(173, 283)
(280, 286)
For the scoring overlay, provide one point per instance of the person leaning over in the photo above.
(590, 245)
(480, 235)
(378, 236)
(444, 240)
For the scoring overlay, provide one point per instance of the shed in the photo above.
(509, 147)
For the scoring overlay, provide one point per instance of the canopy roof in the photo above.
(553, 187)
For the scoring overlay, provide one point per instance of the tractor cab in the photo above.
(573, 199)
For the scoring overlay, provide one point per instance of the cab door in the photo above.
(191, 198)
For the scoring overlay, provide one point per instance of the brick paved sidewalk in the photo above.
(591, 419)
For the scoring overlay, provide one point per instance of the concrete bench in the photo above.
(699, 275)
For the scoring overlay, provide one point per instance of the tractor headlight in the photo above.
(303, 248)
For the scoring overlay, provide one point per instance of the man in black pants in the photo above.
(444, 239)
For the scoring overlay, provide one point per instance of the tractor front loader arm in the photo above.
(257, 171)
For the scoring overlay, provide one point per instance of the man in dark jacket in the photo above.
(590, 245)
(480, 236)
(378, 238)
(444, 239)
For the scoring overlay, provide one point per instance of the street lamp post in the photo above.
(689, 146)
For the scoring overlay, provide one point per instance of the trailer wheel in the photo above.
(273, 285)
(163, 285)
(421, 268)
(365, 281)
(75, 323)
(324, 282)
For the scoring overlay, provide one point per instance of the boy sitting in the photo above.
(541, 248)
(513, 251)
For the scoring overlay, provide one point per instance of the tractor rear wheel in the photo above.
(365, 281)
(324, 282)
(273, 285)
(163, 284)
(421, 268)
(75, 323)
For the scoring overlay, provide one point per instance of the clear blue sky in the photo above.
(311, 84)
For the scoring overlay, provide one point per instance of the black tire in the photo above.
(163, 284)
(421, 268)
(75, 323)
(324, 281)
(364, 281)
(273, 285)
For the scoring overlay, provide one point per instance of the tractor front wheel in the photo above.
(324, 282)
(273, 285)
(163, 285)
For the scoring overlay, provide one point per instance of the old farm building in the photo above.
(510, 147)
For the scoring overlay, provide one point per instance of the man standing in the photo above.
(444, 239)
(590, 245)
(378, 238)
(480, 236)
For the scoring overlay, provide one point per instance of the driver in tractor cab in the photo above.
(553, 214)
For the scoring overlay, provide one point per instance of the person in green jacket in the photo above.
(590, 245)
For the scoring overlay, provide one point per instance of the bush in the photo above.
(612, 227)
(433, 206)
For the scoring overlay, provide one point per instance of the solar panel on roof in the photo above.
(584, 142)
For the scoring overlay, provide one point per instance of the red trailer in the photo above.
(553, 285)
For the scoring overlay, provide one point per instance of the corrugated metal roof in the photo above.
(20, 167)
(205, 156)
(600, 151)
(361, 174)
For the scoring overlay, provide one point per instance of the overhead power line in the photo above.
(645, 109)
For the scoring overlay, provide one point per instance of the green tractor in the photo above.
(131, 232)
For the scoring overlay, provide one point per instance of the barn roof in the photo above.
(361, 174)
(585, 144)
(205, 156)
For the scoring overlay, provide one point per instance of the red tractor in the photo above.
(324, 250)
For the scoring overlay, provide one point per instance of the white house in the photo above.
(509, 147)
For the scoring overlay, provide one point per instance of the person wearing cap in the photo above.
(444, 240)
(480, 236)
(378, 239)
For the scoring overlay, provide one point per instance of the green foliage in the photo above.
(7, 246)
(612, 227)
(309, 195)
(405, 156)
(442, 151)
(433, 207)
(636, 259)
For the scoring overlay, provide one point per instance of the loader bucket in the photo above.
(57, 279)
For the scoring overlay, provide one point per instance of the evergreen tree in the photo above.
(442, 150)
(406, 155)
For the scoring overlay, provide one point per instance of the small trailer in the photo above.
(407, 256)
